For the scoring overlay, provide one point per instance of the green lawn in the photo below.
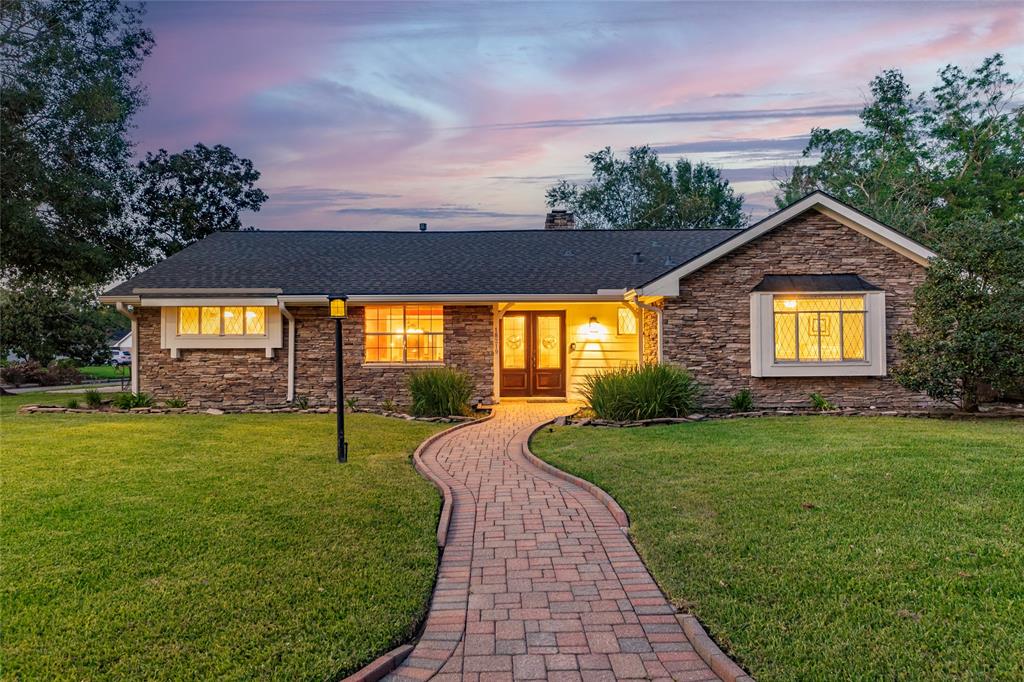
(829, 548)
(105, 372)
(199, 546)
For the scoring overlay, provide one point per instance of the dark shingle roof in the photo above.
(795, 283)
(393, 263)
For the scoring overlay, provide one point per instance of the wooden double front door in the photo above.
(532, 353)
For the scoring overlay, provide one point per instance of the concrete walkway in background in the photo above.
(537, 580)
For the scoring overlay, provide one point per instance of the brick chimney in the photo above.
(559, 219)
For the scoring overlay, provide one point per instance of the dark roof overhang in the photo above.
(814, 283)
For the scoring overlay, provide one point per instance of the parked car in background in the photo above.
(120, 358)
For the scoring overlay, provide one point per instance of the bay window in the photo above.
(817, 325)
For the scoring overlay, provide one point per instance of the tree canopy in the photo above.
(644, 192)
(189, 195)
(922, 163)
(67, 98)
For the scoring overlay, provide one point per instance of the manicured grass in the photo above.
(199, 546)
(829, 548)
(104, 372)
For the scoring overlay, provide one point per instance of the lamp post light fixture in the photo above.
(339, 311)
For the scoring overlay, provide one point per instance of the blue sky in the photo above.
(383, 115)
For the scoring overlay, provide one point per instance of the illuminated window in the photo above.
(815, 329)
(626, 322)
(222, 321)
(405, 334)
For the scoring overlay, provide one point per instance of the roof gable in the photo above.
(667, 284)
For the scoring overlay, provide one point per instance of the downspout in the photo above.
(291, 349)
(661, 326)
(121, 308)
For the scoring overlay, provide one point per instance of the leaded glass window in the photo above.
(817, 329)
(222, 321)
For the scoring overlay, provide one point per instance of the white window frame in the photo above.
(762, 339)
(172, 341)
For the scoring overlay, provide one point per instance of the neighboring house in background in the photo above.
(122, 343)
(806, 300)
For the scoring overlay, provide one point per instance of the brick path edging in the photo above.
(617, 512)
(446, 492)
(702, 643)
(382, 665)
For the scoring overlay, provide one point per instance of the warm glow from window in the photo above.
(513, 342)
(819, 328)
(222, 321)
(626, 322)
(188, 320)
(549, 342)
(404, 333)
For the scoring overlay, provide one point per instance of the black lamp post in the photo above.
(339, 311)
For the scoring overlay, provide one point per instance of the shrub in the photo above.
(127, 401)
(820, 403)
(301, 402)
(93, 398)
(643, 393)
(440, 392)
(742, 401)
(62, 372)
(72, 404)
(351, 404)
(174, 402)
(388, 405)
(18, 373)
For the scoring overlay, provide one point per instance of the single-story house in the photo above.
(807, 300)
(122, 342)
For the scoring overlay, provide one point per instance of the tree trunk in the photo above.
(969, 397)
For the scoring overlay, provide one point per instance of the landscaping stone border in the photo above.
(717, 660)
(383, 665)
(31, 409)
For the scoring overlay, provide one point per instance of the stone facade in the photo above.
(649, 329)
(707, 327)
(242, 379)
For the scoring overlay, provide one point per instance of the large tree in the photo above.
(67, 98)
(189, 195)
(968, 315)
(644, 192)
(923, 163)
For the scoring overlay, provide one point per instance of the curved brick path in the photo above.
(537, 581)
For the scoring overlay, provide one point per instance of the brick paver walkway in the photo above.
(537, 581)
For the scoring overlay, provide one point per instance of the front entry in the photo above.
(532, 353)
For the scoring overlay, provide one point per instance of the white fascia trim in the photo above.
(618, 295)
(208, 301)
(127, 299)
(668, 284)
(202, 291)
(303, 299)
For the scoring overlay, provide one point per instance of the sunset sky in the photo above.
(460, 115)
